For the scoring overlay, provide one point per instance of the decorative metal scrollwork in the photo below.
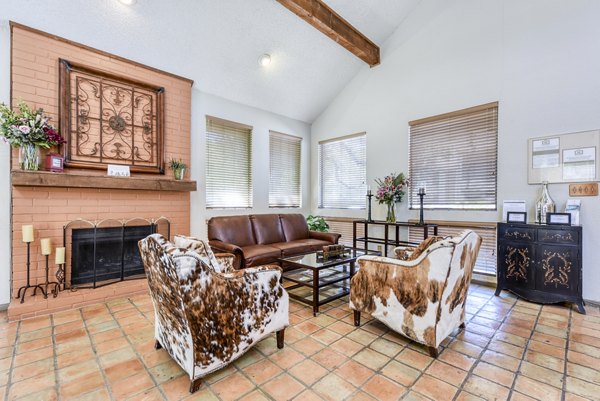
(556, 273)
(110, 120)
(518, 235)
(517, 261)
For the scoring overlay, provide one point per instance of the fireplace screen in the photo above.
(108, 119)
(106, 252)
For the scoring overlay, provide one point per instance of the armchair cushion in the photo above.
(203, 249)
(412, 253)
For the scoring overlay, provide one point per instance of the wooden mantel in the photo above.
(67, 180)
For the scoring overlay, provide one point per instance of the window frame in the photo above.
(234, 126)
(298, 166)
(486, 112)
(321, 204)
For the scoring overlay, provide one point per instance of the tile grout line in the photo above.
(96, 356)
(55, 357)
(567, 344)
(12, 362)
(471, 370)
(135, 351)
(525, 350)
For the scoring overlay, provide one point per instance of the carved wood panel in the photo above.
(107, 119)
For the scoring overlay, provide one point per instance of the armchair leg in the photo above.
(462, 325)
(280, 337)
(157, 344)
(357, 318)
(195, 385)
(433, 352)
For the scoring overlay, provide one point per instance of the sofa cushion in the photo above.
(267, 228)
(314, 245)
(231, 229)
(292, 248)
(256, 255)
(294, 226)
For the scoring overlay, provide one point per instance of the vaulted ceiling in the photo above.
(217, 43)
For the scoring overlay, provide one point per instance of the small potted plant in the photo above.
(178, 167)
(317, 223)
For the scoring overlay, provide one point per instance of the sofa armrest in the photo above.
(224, 247)
(331, 237)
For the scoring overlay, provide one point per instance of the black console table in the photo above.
(386, 237)
(540, 262)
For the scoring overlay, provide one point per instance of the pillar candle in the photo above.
(46, 246)
(27, 233)
(59, 257)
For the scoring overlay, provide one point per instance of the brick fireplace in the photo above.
(48, 201)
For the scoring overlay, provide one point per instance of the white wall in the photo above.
(262, 121)
(539, 58)
(5, 250)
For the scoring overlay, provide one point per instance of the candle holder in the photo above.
(421, 195)
(28, 285)
(49, 283)
(369, 196)
(60, 276)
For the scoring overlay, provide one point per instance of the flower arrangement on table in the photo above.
(389, 191)
(28, 130)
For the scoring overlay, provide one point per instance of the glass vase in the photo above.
(391, 212)
(545, 204)
(29, 157)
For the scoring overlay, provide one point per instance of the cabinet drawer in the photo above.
(516, 233)
(556, 236)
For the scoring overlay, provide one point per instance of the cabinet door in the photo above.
(516, 264)
(558, 269)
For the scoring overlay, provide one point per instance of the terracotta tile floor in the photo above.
(510, 350)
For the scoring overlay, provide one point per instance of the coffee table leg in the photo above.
(315, 292)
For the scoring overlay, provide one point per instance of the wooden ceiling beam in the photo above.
(319, 15)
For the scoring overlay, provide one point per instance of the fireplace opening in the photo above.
(101, 255)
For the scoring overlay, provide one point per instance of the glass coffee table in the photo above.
(317, 280)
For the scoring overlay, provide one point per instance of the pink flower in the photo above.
(24, 129)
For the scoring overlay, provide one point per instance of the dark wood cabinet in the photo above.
(540, 262)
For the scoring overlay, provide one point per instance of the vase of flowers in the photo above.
(389, 191)
(29, 130)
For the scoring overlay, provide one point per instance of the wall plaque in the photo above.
(108, 119)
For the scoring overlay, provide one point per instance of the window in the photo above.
(343, 172)
(284, 170)
(228, 164)
(455, 156)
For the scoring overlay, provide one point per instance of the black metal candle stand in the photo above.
(369, 195)
(50, 283)
(28, 285)
(421, 221)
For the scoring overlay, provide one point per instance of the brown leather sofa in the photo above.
(260, 239)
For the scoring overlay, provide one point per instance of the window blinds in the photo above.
(343, 172)
(228, 164)
(284, 170)
(455, 156)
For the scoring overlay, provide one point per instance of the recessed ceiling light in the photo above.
(264, 60)
(127, 2)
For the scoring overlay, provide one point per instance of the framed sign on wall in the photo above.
(564, 158)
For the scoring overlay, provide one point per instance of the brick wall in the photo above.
(34, 78)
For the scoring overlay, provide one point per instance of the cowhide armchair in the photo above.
(207, 314)
(423, 299)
